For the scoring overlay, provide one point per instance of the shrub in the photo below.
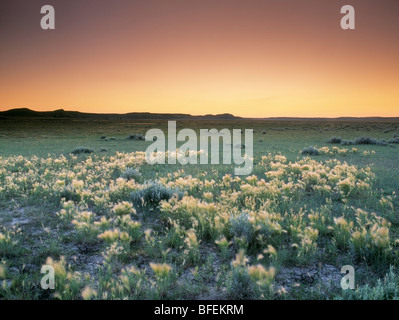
(334, 140)
(394, 140)
(242, 230)
(382, 142)
(82, 150)
(153, 193)
(311, 151)
(358, 141)
(136, 137)
(131, 173)
(347, 142)
(365, 140)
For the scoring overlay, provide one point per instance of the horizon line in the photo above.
(202, 115)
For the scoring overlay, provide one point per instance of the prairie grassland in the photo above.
(115, 227)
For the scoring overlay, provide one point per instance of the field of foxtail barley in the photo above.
(115, 227)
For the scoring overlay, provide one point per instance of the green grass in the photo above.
(207, 238)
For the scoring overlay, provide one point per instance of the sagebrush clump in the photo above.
(242, 230)
(153, 193)
(82, 150)
(334, 140)
(358, 141)
(131, 173)
(136, 137)
(310, 151)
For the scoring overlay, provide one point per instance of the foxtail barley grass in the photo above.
(288, 213)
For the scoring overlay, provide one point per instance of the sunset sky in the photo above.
(254, 58)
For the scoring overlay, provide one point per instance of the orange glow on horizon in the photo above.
(248, 58)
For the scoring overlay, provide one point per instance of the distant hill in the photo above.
(62, 114)
(28, 113)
